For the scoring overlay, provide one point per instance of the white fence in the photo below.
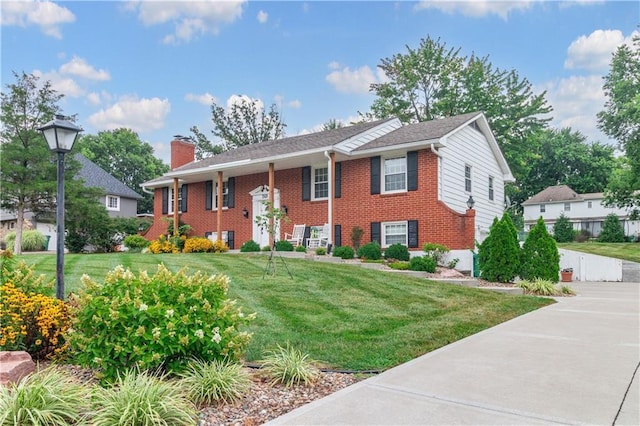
(591, 267)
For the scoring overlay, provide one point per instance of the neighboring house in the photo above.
(401, 184)
(585, 211)
(119, 200)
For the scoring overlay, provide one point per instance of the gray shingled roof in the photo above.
(283, 146)
(424, 131)
(554, 194)
(96, 177)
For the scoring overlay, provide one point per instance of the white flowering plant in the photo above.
(159, 321)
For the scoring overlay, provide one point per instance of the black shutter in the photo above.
(307, 234)
(208, 199)
(375, 175)
(206, 234)
(338, 181)
(306, 183)
(412, 171)
(375, 232)
(183, 198)
(337, 231)
(165, 200)
(231, 192)
(412, 231)
(231, 239)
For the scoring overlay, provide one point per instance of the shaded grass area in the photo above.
(624, 251)
(345, 316)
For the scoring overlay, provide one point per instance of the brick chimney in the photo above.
(182, 151)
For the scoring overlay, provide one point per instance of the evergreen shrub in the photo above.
(284, 245)
(301, 249)
(612, 231)
(250, 246)
(499, 253)
(422, 263)
(540, 257)
(370, 251)
(344, 252)
(563, 230)
(397, 252)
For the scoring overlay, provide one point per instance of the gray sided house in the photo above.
(118, 198)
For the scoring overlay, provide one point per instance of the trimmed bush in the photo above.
(301, 249)
(422, 263)
(397, 252)
(370, 251)
(250, 246)
(284, 245)
(501, 262)
(321, 251)
(563, 230)
(344, 252)
(135, 243)
(540, 257)
(437, 252)
(612, 231)
(150, 321)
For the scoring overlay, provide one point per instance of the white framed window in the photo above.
(320, 178)
(171, 200)
(225, 195)
(394, 233)
(113, 203)
(467, 178)
(395, 174)
(567, 207)
(490, 188)
(543, 208)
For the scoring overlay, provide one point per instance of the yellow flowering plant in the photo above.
(198, 245)
(149, 321)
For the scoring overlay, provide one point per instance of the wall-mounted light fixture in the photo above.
(285, 209)
(245, 212)
(471, 202)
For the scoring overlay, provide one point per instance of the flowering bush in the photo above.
(220, 246)
(198, 245)
(163, 245)
(151, 321)
(30, 320)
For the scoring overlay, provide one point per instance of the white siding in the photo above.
(468, 146)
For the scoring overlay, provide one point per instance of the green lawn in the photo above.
(624, 251)
(345, 316)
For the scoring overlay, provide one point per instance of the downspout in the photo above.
(330, 173)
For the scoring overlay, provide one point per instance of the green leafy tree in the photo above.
(130, 160)
(87, 222)
(620, 119)
(612, 231)
(540, 257)
(332, 124)
(563, 230)
(27, 169)
(245, 122)
(501, 261)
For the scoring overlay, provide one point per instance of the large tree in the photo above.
(435, 81)
(28, 174)
(621, 121)
(130, 160)
(244, 122)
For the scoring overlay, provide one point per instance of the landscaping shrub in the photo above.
(47, 397)
(563, 230)
(197, 245)
(321, 251)
(250, 246)
(343, 252)
(135, 243)
(356, 236)
(284, 245)
(422, 263)
(501, 262)
(164, 245)
(540, 257)
(32, 240)
(148, 321)
(289, 367)
(612, 231)
(142, 399)
(214, 381)
(370, 251)
(543, 288)
(220, 246)
(437, 252)
(301, 249)
(397, 251)
(399, 265)
(266, 248)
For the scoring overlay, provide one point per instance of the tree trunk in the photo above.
(17, 245)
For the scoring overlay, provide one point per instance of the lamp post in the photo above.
(60, 134)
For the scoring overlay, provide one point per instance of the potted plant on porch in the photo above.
(566, 275)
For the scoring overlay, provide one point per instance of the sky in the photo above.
(156, 66)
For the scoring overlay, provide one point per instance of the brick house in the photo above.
(399, 183)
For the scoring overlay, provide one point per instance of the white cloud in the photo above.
(593, 52)
(94, 99)
(45, 14)
(294, 104)
(204, 99)
(475, 8)
(263, 17)
(139, 115)
(353, 81)
(80, 68)
(191, 18)
(61, 84)
(240, 99)
(334, 65)
(576, 100)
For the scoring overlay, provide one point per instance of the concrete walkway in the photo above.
(575, 362)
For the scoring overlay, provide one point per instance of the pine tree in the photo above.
(612, 231)
(563, 230)
(501, 253)
(540, 257)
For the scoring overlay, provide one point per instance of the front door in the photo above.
(260, 197)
